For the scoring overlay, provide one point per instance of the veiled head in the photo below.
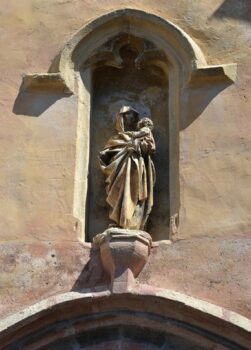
(126, 119)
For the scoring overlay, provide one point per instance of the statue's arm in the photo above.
(141, 133)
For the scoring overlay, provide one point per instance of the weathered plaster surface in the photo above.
(37, 155)
(213, 270)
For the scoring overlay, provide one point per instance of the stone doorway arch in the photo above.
(140, 319)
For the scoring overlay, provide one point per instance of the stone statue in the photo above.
(129, 170)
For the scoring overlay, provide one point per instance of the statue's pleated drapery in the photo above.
(130, 177)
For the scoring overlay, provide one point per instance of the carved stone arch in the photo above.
(159, 319)
(182, 52)
(160, 44)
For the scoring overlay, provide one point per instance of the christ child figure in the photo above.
(142, 139)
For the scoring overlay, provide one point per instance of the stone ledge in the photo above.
(44, 81)
(215, 73)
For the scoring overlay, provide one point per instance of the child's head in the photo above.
(145, 122)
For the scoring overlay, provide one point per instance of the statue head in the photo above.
(126, 119)
(145, 122)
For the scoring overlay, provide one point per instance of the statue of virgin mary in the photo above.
(130, 174)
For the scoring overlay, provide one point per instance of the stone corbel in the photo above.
(123, 254)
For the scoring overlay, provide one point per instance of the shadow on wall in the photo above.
(92, 275)
(194, 100)
(197, 97)
(236, 9)
(33, 103)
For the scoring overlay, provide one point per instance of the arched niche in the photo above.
(139, 320)
(95, 65)
(134, 73)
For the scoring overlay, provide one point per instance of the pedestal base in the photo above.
(123, 255)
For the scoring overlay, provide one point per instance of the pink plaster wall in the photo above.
(209, 259)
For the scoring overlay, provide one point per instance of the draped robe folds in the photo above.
(130, 177)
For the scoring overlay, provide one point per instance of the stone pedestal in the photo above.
(123, 255)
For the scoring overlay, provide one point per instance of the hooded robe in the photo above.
(130, 177)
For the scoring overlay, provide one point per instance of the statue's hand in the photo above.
(131, 147)
(131, 143)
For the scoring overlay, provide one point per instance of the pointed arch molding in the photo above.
(147, 312)
(72, 73)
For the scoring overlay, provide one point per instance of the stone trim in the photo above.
(167, 311)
